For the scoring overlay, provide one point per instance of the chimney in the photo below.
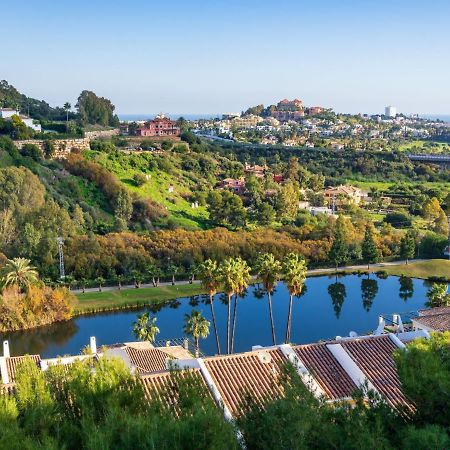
(6, 349)
(93, 345)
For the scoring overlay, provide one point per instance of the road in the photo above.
(311, 272)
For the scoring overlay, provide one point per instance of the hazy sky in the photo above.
(214, 56)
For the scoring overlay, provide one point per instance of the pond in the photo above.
(327, 307)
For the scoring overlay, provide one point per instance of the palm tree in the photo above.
(151, 270)
(83, 283)
(18, 272)
(209, 276)
(172, 269)
(294, 273)
(67, 107)
(243, 277)
(196, 326)
(230, 281)
(119, 279)
(100, 281)
(268, 269)
(145, 328)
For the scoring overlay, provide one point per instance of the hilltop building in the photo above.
(159, 126)
(8, 113)
(343, 195)
(390, 111)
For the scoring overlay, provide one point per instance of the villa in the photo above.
(343, 194)
(332, 369)
(159, 126)
(8, 113)
(236, 185)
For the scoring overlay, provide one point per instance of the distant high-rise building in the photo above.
(390, 111)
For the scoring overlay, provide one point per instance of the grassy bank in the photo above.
(433, 268)
(111, 300)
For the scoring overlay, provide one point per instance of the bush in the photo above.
(139, 179)
(33, 151)
(398, 219)
(433, 245)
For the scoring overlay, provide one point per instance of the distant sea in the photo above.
(132, 117)
(443, 117)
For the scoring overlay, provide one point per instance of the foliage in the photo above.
(339, 250)
(96, 110)
(18, 272)
(145, 328)
(370, 252)
(196, 326)
(437, 295)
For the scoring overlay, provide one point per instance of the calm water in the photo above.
(325, 309)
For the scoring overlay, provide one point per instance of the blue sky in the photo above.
(215, 56)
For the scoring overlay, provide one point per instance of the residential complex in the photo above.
(159, 126)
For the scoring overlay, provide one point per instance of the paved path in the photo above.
(309, 273)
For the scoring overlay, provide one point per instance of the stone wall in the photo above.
(101, 133)
(62, 146)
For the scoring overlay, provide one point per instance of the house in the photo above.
(8, 113)
(337, 146)
(343, 195)
(159, 126)
(313, 110)
(236, 185)
(332, 370)
(315, 210)
(278, 178)
(249, 121)
(256, 170)
(434, 319)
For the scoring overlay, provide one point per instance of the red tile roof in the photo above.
(434, 322)
(434, 311)
(148, 360)
(374, 357)
(13, 363)
(326, 370)
(256, 373)
(164, 386)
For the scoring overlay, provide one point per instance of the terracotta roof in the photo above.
(434, 311)
(13, 362)
(374, 357)
(434, 322)
(256, 373)
(164, 386)
(148, 360)
(326, 370)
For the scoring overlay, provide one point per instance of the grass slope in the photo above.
(95, 301)
(422, 269)
(157, 186)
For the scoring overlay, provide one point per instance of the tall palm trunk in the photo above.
(196, 347)
(234, 322)
(269, 298)
(289, 320)
(213, 315)
(228, 323)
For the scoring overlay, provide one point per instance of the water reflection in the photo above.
(338, 293)
(406, 288)
(369, 290)
(356, 302)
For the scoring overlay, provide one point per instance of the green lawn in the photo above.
(421, 269)
(96, 301)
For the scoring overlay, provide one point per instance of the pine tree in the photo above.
(407, 247)
(338, 253)
(370, 252)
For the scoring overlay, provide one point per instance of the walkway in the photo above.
(311, 272)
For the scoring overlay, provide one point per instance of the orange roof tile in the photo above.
(148, 360)
(13, 363)
(256, 373)
(374, 357)
(326, 370)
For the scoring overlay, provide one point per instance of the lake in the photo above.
(325, 309)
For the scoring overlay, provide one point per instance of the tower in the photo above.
(62, 274)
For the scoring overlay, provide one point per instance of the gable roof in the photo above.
(326, 370)
(256, 373)
(13, 362)
(374, 356)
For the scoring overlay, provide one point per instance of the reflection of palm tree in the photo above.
(194, 301)
(338, 294)
(210, 279)
(236, 296)
(294, 272)
(369, 290)
(406, 288)
(268, 269)
(196, 326)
